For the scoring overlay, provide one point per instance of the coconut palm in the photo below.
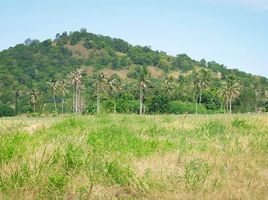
(115, 85)
(63, 90)
(33, 98)
(143, 84)
(53, 84)
(230, 91)
(202, 81)
(101, 85)
(76, 81)
(169, 85)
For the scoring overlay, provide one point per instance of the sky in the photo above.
(231, 32)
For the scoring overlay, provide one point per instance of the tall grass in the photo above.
(133, 157)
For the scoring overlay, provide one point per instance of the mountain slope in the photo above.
(34, 63)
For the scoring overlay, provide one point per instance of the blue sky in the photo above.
(232, 32)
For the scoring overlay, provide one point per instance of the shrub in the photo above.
(6, 110)
(178, 107)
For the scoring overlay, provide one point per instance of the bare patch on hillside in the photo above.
(79, 50)
(121, 73)
(120, 54)
(89, 70)
(156, 73)
(175, 74)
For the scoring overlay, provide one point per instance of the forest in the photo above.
(85, 73)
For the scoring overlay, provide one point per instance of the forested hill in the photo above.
(175, 84)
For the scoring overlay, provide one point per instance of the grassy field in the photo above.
(133, 157)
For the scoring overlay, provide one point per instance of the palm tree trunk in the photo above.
(16, 102)
(200, 97)
(34, 107)
(62, 102)
(76, 98)
(74, 101)
(114, 107)
(230, 107)
(54, 100)
(141, 100)
(196, 109)
(98, 100)
(144, 109)
(80, 103)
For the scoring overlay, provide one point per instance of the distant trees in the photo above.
(115, 86)
(34, 98)
(169, 86)
(202, 80)
(183, 62)
(53, 85)
(101, 85)
(230, 91)
(75, 79)
(30, 65)
(143, 84)
(62, 90)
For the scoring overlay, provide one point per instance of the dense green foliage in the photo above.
(26, 69)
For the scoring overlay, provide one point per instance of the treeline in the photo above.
(39, 77)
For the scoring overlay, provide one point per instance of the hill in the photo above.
(30, 66)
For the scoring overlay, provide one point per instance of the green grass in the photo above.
(133, 157)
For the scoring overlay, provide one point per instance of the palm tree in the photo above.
(101, 85)
(202, 80)
(53, 84)
(230, 91)
(63, 90)
(115, 85)
(169, 86)
(76, 81)
(143, 84)
(33, 98)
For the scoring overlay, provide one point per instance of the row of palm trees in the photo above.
(202, 81)
(230, 89)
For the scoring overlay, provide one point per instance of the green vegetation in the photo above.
(79, 72)
(134, 157)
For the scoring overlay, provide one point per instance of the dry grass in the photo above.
(79, 50)
(121, 73)
(155, 72)
(133, 157)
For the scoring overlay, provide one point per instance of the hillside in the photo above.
(33, 64)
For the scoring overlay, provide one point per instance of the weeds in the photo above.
(96, 157)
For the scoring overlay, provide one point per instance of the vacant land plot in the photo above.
(134, 157)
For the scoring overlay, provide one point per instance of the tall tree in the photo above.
(101, 84)
(169, 86)
(230, 91)
(115, 85)
(63, 90)
(202, 81)
(53, 85)
(143, 84)
(33, 98)
(76, 80)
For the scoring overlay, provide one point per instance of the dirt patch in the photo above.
(175, 74)
(89, 70)
(121, 73)
(156, 73)
(79, 50)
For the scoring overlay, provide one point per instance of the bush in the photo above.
(178, 107)
(6, 110)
